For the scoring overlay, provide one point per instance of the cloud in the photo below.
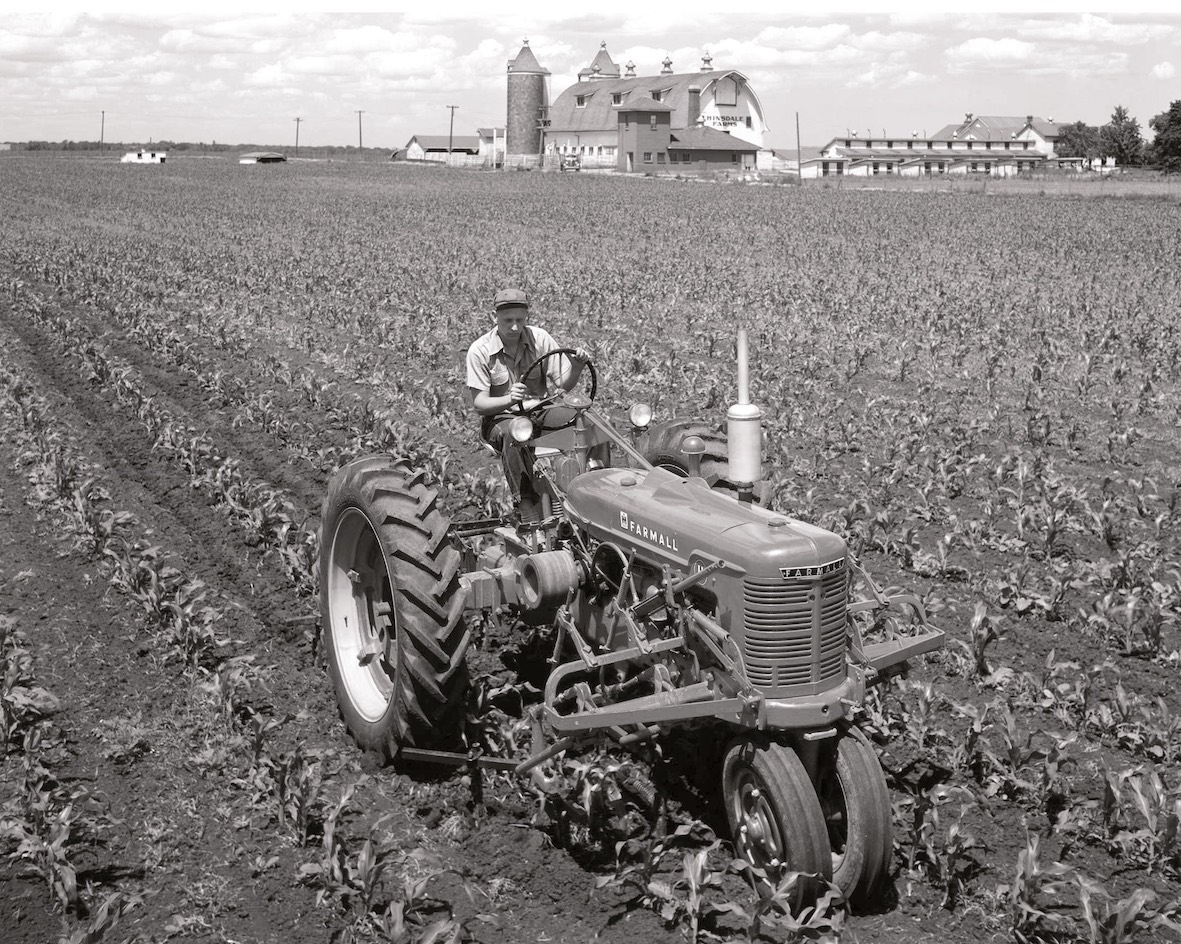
(270, 76)
(1163, 70)
(982, 52)
(804, 37)
(1089, 28)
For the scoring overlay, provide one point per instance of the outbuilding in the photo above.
(436, 147)
(263, 157)
(144, 157)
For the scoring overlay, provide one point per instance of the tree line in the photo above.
(1120, 139)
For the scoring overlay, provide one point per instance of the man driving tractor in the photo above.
(497, 363)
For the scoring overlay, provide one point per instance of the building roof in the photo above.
(644, 103)
(526, 62)
(488, 132)
(439, 142)
(708, 139)
(263, 155)
(602, 67)
(597, 114)
(996, 128)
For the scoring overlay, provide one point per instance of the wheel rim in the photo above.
(836, 813)
(756, 829)
(360, 606)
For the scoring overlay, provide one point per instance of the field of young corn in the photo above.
(980, 391)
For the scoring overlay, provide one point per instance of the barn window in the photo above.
(647, 157)
(660, 157)
(656, 95)
(652, 122)
(580, 101)
(617, 98)
(749, 124)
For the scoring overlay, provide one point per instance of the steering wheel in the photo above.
(576, 401)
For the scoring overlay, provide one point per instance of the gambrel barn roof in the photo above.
(598, 109)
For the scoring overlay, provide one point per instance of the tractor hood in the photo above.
(686, 524)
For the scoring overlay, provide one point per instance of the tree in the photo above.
(1165, 150)
(1077, 140)
(1120, 138)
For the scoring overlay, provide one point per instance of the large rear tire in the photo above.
(392, 609)
(856, 805)
(774, 815)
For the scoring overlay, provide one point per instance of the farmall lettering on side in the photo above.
(669, 542)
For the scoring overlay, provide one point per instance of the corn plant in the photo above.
(1031, 917)
(1126, 920)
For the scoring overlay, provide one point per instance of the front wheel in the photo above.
(392, 609)
(775, 818)
(856, 805)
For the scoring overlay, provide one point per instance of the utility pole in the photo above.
(359, 114)
(102, 131)
(799, 155)
(451, 133)
(297, 121)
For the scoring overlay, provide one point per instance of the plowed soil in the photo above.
(171, 765)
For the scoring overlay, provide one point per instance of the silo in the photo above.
(528, 99)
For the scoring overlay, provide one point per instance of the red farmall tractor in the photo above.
(672, 598)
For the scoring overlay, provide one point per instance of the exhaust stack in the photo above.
(744, 430)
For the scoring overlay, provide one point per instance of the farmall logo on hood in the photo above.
(803, 573)
(648, 534)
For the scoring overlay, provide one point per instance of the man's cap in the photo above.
(509, 297)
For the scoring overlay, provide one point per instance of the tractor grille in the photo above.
(795, 629)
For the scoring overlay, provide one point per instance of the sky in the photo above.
(219, 73)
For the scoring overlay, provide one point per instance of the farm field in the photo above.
(981, 392)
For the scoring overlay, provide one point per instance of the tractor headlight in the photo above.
(640, 415)
(521, 429)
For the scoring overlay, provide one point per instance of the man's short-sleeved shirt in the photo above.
(491, 369)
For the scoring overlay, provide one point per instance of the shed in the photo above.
(144, 157)
(433, 147)
(263, 157)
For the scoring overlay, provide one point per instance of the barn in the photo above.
(708, 119)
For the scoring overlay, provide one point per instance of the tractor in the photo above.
(673, 597)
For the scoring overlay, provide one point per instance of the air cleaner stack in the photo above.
(744, 430)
